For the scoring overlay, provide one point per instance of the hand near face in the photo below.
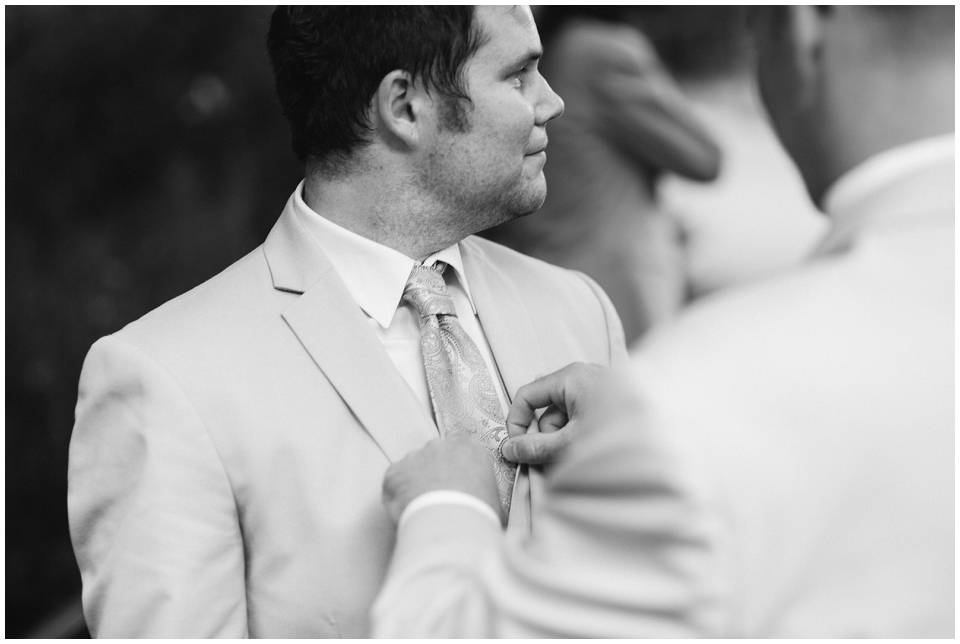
(454, 462)
(567, 395)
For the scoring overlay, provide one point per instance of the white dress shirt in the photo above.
(375, 276)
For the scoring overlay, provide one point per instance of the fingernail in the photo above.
(508, 451)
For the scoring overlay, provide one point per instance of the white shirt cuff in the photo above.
(447, 497)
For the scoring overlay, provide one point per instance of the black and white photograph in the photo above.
(493, 321)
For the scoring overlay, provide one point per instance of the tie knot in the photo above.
(427, 291)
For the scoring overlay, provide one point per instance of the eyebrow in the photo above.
(520, 61)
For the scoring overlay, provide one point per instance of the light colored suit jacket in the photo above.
(780, 463)
(229, 449)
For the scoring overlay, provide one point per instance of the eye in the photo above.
(519, 75)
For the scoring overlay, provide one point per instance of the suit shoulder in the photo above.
(562, 303)
(233, 294)
(522, 267)
(568, 289)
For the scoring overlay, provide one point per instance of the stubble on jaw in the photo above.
(454, 114)
(465, 209)
(455, 118)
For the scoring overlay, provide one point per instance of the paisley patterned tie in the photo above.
(461, 388)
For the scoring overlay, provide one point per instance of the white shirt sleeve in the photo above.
(447, 497)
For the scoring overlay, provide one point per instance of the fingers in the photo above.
(552, 420)
(535, 449)
(565, 389)
(519, 430)
(547, 390)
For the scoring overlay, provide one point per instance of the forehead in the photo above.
(510, 33)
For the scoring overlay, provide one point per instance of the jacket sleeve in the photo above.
(152, 514)
(622, 548)
(432, 587)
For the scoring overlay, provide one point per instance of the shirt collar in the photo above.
(845, 198)
(451, 257)
(880, 169)
(375, 275)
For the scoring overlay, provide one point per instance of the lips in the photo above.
(538, 150)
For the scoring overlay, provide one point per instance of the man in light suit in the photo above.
(229, 448)
(779, 462)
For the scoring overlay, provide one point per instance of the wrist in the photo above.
(448, 497)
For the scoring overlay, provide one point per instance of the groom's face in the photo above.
(491, 166)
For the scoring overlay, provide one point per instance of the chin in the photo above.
(530, 194)
(510, 202)
(508, 207)
(538, 195)
(535, 204)
(526, 202)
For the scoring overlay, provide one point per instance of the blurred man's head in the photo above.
(842, 83)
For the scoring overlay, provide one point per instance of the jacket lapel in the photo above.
(336, 334)
(505, 320)
(516, 347)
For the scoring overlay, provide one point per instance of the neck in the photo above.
(383, 209)
(879, 95)
(923, 106)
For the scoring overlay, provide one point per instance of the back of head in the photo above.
(916, 31)
(843, 83)
(698, 42)
(329, 60)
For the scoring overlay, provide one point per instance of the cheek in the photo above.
(510, 122)
(525, 120)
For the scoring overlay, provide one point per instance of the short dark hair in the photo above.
(328, 62)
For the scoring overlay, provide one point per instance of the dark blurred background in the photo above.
(145, 153)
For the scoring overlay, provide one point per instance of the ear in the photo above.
(806, 27)
(399, 109)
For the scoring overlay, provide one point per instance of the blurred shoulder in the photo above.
(602, 36)
(604, 43)
(749, 332)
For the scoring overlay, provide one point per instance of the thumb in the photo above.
(534, 449)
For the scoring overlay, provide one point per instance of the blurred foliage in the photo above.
(145, 153)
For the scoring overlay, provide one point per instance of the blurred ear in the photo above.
(806, 28)
(400, 106)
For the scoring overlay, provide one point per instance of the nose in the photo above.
(550, 105)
